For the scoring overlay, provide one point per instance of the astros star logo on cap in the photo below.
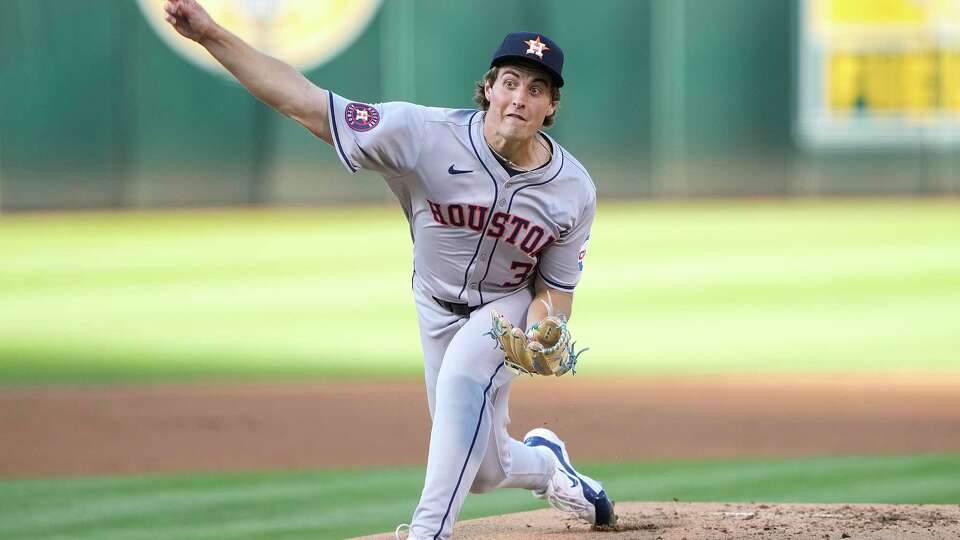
(536, 47)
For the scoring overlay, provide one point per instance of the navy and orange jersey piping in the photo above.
(336, 134)
(496, 194)
(553, 283)
(510, 207)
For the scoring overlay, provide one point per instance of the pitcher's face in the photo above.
(520, 99)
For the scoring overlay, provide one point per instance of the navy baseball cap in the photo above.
(534, 48)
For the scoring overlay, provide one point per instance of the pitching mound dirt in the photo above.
(692, 521)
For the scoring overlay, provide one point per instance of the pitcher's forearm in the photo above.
(558, 302)
(272, 81)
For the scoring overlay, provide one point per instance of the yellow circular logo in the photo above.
(303, 33)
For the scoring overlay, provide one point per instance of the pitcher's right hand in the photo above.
(189, 19)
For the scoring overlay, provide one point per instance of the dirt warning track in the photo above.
(230, 426)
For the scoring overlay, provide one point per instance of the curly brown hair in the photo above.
(490, 77)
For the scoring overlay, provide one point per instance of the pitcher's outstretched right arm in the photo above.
(275, 83)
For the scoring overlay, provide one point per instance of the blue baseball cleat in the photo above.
(568, 490)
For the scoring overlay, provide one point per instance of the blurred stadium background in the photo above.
(777, 183)
(687, 98)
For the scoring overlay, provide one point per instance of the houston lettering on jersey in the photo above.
(516, 230)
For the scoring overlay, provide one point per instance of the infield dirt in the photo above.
(230, 426)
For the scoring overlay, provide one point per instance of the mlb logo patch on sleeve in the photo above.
(582, 254)
(361, 117)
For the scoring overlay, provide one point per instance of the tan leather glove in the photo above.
(544, 350)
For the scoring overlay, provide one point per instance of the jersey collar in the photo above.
(497, 170)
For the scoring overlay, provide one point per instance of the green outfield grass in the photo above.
(728, 287)
(338, 504)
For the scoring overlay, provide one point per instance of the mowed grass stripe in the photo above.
(721, 287)
(895, 479)
(336, 504)
(193, 504)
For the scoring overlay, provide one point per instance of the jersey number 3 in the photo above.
(521, 276)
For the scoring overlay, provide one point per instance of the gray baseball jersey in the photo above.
(480, 236)
(478, 233)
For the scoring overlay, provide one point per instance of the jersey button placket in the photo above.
(482, 258)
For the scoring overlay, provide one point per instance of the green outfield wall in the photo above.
(666, 98)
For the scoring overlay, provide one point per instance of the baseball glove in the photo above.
(545, 348)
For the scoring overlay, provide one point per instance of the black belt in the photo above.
(456, 309)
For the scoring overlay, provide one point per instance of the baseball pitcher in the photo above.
(500, 215)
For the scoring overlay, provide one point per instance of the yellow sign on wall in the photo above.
(304, 33)
(915, 13)
(916, 83)
(880, 70)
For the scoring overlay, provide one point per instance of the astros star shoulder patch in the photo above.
(361, 117)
